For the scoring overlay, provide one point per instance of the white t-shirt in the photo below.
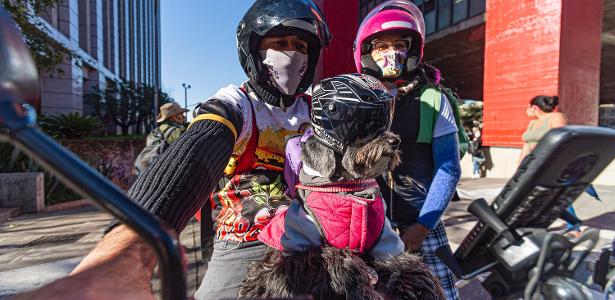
(252, 198)
(273, 123)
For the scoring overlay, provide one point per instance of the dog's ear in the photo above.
(319, 157)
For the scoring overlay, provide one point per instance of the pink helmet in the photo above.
(394, 15)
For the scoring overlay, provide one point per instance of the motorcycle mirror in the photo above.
(18, 73)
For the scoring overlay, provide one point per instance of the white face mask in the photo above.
(286, 68)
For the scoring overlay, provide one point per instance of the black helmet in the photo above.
(289, 17)
(350, 107)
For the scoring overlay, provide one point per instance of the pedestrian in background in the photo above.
(475, 148)
(542, 110)
(171, 124)
(172, 119)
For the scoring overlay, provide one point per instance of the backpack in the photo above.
(155, 144)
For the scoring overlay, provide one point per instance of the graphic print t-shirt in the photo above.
(251, 199)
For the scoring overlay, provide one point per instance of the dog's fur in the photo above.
(361, 160)
(331, 273)
(407, 277)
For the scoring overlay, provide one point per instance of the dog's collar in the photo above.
(347, 186)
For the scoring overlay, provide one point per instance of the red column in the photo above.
(539, 47)
(579, 80)
(343, 19)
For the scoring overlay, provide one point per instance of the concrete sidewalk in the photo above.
(597, 214)
(37, 249)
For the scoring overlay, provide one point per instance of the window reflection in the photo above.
(444, 14)
(460, 10)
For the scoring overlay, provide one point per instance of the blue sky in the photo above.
(198, 46)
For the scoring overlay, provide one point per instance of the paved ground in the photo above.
(598, 214)
(37, 249)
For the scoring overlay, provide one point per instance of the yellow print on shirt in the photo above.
(270, 152)
(273, 140)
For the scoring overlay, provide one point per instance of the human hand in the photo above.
(118, 268)
(414, 236)
(91, 284)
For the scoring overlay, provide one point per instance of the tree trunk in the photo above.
(139, 126)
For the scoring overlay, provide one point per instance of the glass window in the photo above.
(429, 5)
(106, 34)
(362, 13)
(476, 7)
(444, 14)
(85, 25)
(460, 10)
(430, 21)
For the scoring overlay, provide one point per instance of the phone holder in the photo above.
(511, 240)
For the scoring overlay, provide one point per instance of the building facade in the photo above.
(114, 40)
(504, 53)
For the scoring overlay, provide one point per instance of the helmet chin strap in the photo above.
(411, 63)
(370, 67)
(271, 95)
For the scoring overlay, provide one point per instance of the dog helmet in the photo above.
(349, 108)
(281, 17)
(396, 15)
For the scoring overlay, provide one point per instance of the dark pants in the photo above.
(227, 269)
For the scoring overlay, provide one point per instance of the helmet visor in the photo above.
(374, 120)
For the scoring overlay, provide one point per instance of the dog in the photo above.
(333, 241)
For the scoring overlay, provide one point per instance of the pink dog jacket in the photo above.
(344, 220)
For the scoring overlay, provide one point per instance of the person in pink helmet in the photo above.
(389, 46)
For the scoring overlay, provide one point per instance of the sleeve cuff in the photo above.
(429, 220)
(216, 118)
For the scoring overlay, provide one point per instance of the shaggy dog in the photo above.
(326, 272)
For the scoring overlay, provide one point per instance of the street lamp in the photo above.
(186, 87)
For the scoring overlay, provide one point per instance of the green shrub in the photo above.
(69, 126)
(471, 114)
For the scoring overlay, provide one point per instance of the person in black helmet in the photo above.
(239, 132)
